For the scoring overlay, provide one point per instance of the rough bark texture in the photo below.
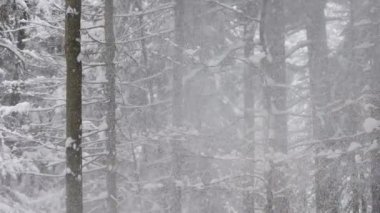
(249, 104)
(111, 108)
(375, 112)
(277, 103)
(326, 183)
(74, 196)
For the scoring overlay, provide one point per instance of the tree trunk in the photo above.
(21, 35)
(178, 70)
(177, 104)
(326, 183)
(277, 101)
(375, 111)
(149, 114)
(74, 196)
(111, 108)
(351, 123)
(363, 200)
(249, 105)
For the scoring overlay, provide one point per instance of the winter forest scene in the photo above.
(190, 106)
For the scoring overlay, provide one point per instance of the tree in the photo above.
(12, 9)
(325, 179)
(276, 103)
(249, 100)
(349, 87)
(74, 192)
(178, 70)
(198, 118)
(177, 103)
(374, 113)
(111, 107)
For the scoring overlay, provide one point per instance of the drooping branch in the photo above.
(14, 50)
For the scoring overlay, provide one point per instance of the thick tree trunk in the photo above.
(249, 104)
(111, 108)
(375, 112)
(74, 196)
(277, 102)
(326, 183)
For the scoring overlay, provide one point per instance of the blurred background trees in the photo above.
(195, 106)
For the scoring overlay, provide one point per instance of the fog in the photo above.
(190, 106)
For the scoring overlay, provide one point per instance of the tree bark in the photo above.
(277, 102)
(325, 179)
(74, 196)
(111, 107)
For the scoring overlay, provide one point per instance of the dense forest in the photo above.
(190, 106)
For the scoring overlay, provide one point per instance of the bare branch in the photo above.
(146, 12)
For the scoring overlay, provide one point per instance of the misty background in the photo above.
(190, 106)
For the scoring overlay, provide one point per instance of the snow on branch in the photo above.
(142, 80)
(147, 36)
(362, 136)
(23, 107)
(295, 48)
(14, 50)
(236, 10)
(146, 12)
(219, 59)
(144, 106)
(44, 24)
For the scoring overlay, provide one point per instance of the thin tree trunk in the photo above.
(21, 35)
(350, 85)
(363, 198)
(375, 112)
(144, 53)
(150, 115)
(354, 185)
(269, 208)
(74, 203)
(136, 175)
(177, 118)
(249, 105)
(178, 70)
(111, 107)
